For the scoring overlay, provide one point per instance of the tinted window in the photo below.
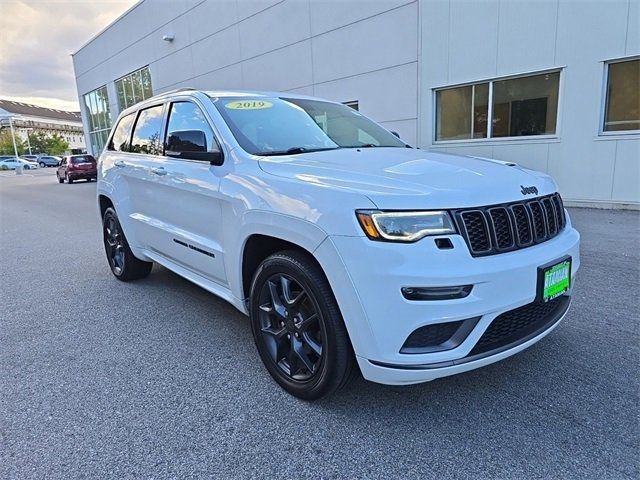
(82, 159)
(623, 97)
(187, 117)
(525, 106)
(147, 136)
(122, 134)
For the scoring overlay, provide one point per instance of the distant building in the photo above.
(48, 121)
(549, 84)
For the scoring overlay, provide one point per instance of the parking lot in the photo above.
(160, 379)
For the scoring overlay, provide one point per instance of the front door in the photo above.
(182, 202)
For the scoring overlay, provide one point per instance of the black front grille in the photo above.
(512, 326)
(477, 230)
(501, 228)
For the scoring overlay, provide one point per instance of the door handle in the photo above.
(159, 170)
(120, 163)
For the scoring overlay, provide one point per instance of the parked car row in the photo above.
(44, 160)
(10, 162)
(70, 168)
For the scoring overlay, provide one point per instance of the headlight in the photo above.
(404, 226)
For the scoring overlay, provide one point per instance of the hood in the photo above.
(404, 178)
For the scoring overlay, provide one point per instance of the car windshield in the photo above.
(279, 126)
(82, 159)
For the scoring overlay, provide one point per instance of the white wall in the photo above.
(343, 51)
(389, 55)
(464, 41)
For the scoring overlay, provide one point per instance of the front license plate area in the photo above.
(554, 279)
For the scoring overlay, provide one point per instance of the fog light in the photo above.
(436, 293)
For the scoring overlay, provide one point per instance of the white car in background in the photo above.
(12, 163)
(343, 244)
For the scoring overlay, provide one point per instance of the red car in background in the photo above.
(77, 167)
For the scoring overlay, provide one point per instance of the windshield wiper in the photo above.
(294, 151)
(364, 145)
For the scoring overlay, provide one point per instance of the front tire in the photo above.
(298, 328)
(123, 263)
(60, 179)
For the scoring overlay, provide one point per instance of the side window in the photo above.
(147, 134)
(188, 131)
(64, 161)
(120, 140)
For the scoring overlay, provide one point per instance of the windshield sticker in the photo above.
(249, 105)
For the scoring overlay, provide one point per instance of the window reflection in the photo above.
(98, 117)
(134, 88)
(147, 136)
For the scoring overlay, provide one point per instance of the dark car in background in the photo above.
(77, 167)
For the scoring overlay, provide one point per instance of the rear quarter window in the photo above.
(122, 134)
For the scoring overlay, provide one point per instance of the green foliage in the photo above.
(6, 144)
(50, 144)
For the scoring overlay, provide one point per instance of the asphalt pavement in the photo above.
(160, 379)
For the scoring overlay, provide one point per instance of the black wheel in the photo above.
(124, 265)
(60, 180)
(69, 180)
(298, 328)
(42, 164)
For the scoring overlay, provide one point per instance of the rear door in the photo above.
(182, 201)
(145, 151)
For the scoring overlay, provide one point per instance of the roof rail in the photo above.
(176, 90)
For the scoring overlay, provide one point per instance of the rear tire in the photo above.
(124, 264)
(42, 164)
(298, 328)
(69, 181)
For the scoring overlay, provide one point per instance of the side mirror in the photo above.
(191, 145)
(396, 134)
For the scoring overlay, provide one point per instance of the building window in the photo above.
(353, 104)
(522, 106)
(134, 88)
(98, 117)
(622, 107)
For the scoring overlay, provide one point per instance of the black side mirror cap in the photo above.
(214, 158)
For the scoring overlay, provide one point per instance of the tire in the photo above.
(123, 263)
(69, 180)
(304, 323)
(42, 165)
(60, 180)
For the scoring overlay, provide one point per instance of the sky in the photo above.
(37, 38)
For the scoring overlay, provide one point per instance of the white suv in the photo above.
(342, 243)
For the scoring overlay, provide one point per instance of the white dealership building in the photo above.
(552, 85)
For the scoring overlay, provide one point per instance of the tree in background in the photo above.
(6, 143)
(50, 144)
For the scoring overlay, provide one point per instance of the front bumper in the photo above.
(367, 277)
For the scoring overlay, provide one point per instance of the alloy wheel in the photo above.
(291, 327)
(114, 243)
